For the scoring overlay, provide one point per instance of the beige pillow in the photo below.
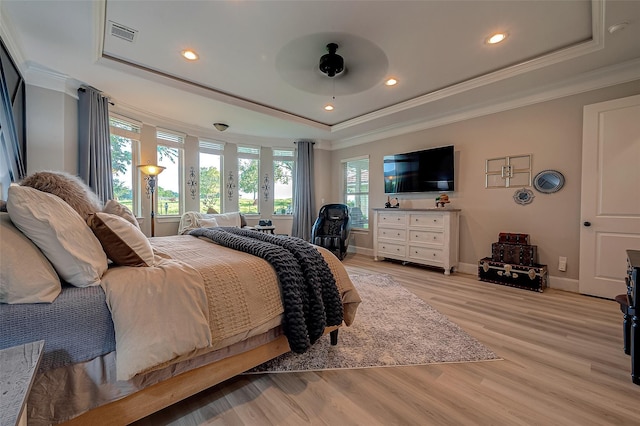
(114, 207)
(123, 243)
(60, 233)
(26, 276)
(70, 188)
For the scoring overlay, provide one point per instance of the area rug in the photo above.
(393, 327)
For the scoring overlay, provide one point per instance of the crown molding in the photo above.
(593, 80)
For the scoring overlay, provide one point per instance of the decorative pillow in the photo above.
(226, 219)
(68, 187)
(114, 207)
(60, 233)
(26, 276)
(123, 242)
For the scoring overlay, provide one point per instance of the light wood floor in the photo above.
(563, 364)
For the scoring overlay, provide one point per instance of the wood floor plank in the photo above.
(562, 364)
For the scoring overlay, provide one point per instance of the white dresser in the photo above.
(428, 237)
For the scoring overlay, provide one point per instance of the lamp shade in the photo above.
(150, 169)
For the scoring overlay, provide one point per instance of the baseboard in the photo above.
(566, 284)
(558, 283)
(468, 268)
(360, 250)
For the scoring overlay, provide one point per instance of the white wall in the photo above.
(52, 131)
(551, 132)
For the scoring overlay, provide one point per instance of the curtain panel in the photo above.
(94, 145)
(304, 212)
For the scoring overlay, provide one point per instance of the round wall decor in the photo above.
(548, 181)
(523, 196)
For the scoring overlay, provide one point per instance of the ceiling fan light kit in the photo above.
(331, 63)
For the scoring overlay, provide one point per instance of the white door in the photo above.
(610, 203)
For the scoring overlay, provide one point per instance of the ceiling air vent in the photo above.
(123, 32)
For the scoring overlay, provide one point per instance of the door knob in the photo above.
(587, 224)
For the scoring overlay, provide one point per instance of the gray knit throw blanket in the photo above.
(310, 296)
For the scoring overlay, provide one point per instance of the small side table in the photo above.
(18, 366)
(265, 229)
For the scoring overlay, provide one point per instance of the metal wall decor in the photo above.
(266, 187)
(192, 182)
(231, 186)
(508, 171)
(523, 196)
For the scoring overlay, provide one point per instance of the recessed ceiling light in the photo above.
(391, 82)
(496, 38)
(328, 107)
(190, 55)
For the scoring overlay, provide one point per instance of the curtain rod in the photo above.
(82, 89)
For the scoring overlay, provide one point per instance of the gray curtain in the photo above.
(94, 145)
(304, 212)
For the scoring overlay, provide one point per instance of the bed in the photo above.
(140, 338)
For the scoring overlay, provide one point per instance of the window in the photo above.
(124, 137)
(283, 172)
(210, 173)
(248, 179)
(356, 190)
(169, 151)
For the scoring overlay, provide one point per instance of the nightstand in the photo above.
(18, 367)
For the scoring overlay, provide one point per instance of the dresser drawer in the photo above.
(429, 237)
(431, 255)
(392, 234)
(430, 220)
(391, 249)
(398, 219)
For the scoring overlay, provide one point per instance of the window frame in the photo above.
(248, 152)
(134, 135)
(174, 140)
(276, 156)
(212, 147)
(345, 165)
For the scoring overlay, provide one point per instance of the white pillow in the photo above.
(60, 233)
(26, 276)
(225, 219)
(123, 243)
(208, 223)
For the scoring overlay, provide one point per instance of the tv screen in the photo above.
(430, 170)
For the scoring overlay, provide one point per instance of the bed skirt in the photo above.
(66, 392)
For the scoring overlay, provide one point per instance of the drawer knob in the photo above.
(434, 238)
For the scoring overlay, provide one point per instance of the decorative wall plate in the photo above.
(523, 196)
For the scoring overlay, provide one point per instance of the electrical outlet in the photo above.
(562, 264)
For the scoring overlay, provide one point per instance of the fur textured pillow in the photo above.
(70, 188)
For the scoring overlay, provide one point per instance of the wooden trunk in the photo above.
(533, 277)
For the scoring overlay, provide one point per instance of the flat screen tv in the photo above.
(430, 170)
